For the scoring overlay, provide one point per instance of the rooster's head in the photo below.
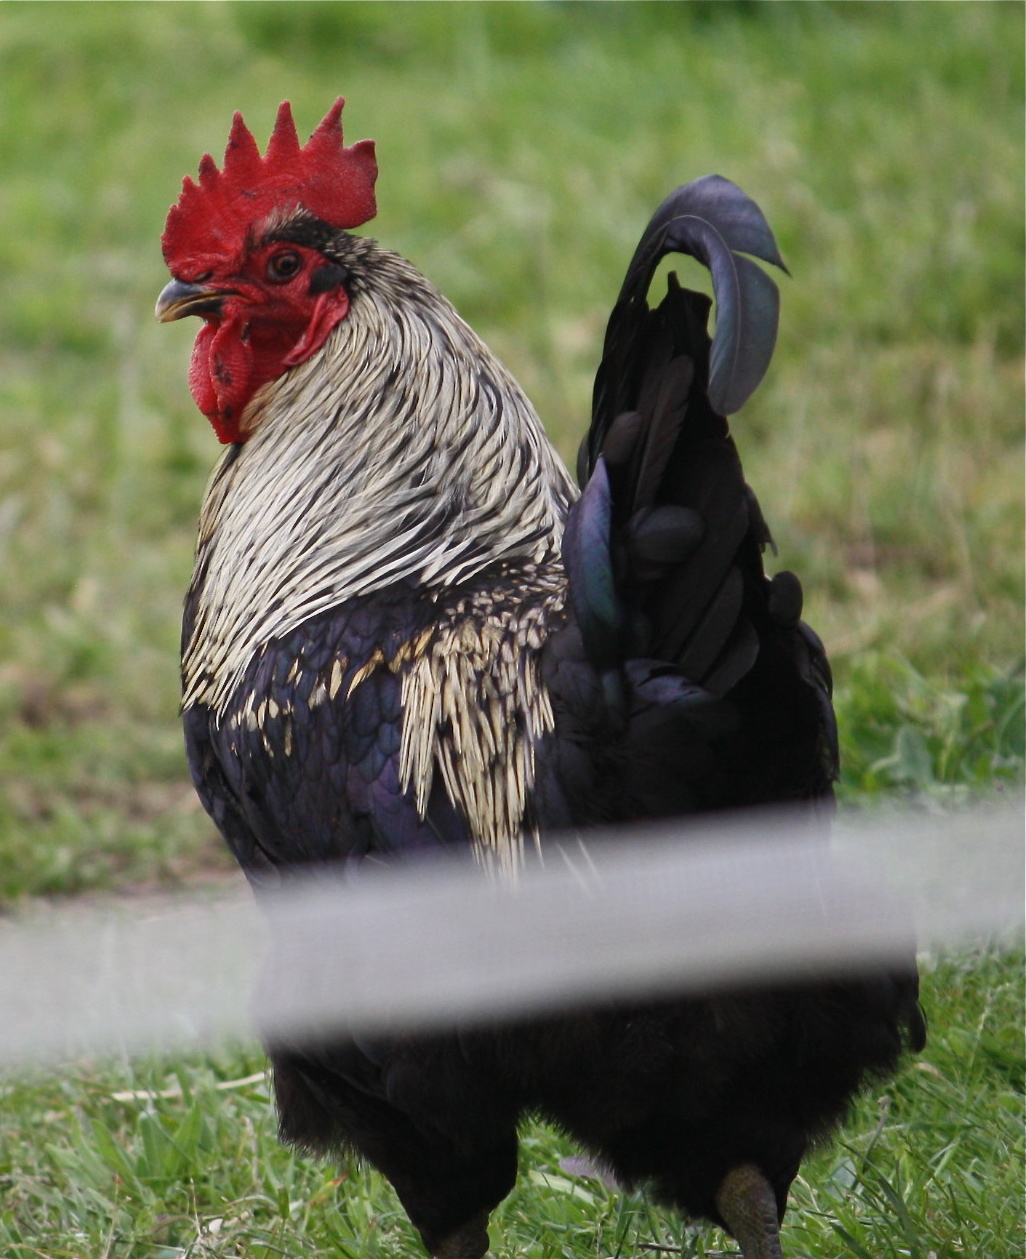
(249, 250)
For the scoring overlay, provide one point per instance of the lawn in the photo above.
(522, 148)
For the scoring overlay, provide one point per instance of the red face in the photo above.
(264, 313)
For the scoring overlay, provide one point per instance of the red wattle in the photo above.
(234, 356)
(221, 377)
(200, 385)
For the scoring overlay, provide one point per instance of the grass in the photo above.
(522, 148)
(178, 1160)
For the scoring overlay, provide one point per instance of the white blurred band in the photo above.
(659, 911)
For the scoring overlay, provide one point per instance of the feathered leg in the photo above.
(748, 1206)
(469, 1241)
(447, 1188)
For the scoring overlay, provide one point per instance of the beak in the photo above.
(179, 299)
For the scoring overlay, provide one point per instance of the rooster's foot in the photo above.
(748, 1206)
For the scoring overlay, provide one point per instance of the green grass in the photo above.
(522, 147)
(930, 1164)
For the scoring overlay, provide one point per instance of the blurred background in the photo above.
(523, 147)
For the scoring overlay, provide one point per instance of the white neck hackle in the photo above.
(402, 450)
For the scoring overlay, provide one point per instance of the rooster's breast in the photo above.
(405, 720)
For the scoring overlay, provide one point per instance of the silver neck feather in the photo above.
(402, 450)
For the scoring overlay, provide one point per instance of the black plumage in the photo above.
(390, 659)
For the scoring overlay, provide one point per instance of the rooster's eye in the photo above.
(283, 266)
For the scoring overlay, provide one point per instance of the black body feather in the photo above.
(664, 674)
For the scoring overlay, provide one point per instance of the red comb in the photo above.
(215, 216)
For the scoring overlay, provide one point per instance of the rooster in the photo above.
(407, 633)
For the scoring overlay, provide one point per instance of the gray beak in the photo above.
(179, 299)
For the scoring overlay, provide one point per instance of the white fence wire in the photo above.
(657, 911)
